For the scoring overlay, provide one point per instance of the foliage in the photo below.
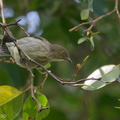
(56, 17)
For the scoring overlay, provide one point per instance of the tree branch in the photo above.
(97, 19)
(2, 12)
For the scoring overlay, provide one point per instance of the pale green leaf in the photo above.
(8, 93)
(81, 40)
(84, 14)
(107, 73)
(92, 42)
(90, 5)
(117, 107)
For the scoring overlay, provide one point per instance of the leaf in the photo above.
(30, 108)
(84, 14)
(81, 40)
(92, 42)
(10, 102)
(117, 107)
(48, 65)
(90, 5)
(108, 73)
(8, 93)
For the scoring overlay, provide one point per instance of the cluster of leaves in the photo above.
(12, 102)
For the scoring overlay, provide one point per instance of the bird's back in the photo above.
(36, 48)
(33, 45)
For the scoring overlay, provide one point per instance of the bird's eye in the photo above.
(64, 53)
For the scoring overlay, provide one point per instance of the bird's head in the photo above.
(59, 53)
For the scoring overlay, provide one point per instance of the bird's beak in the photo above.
(69, 60)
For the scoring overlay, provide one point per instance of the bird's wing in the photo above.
(32, 45)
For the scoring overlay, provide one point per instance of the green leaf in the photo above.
(81, 40)
(48, 65)
(117, 107)
(84, 14)
(8, 93)
(92, 42)
(90, 5)
(30, 108)
(107, 73)
(10, 102)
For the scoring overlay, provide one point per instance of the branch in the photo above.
(2, 12)
(97, 19)
(117, 11)
(62, 81)
(16, 23)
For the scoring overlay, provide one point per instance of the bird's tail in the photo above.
(4, 51)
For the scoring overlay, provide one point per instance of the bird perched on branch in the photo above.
(38, 49)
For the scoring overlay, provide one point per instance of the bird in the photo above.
(37, 48)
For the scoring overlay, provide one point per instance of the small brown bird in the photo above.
(39, 49)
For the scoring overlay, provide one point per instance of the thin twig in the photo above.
(11, 24)
(117, 11)
(23, 30)
(2, 12)
(16, 23)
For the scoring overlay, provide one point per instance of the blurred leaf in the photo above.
(108, 73)
(48, 65)
(95, 33)
(84, 61)
(10, 102)
(84, 14)
(8, 93)
(92, 42)
(30, 108)
(90, 5)
(117, 107)
(91, 36)
(88, 37)
(81, 40)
